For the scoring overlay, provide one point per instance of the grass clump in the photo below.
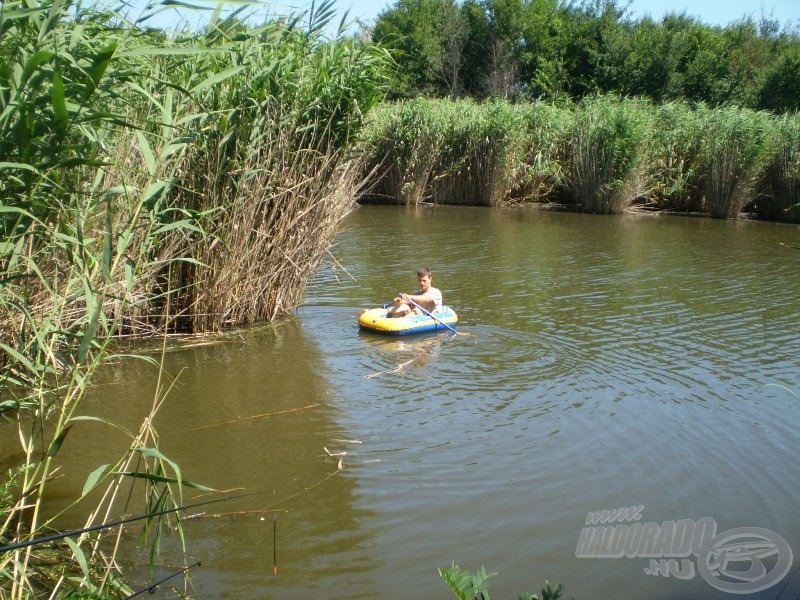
(609, 165)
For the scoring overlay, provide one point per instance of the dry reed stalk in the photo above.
(253, 417)
(397, 369)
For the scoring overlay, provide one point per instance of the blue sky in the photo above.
(712, 12)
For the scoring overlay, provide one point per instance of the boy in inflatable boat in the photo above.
(427, 296)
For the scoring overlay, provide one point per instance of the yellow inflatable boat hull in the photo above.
(375, 319)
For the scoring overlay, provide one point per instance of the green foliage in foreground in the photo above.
(605, 154)
(148, 185)
(466, 585)
(474, 586)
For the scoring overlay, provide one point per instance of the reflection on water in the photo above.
(612, 361)
(609, 362)
(251, 414)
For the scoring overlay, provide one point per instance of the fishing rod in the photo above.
(109, 524)
(152, 587)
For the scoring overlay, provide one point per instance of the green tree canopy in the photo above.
(557, 48)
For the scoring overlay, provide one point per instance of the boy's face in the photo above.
(424, 282)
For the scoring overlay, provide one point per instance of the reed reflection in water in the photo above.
(612, 361)
(609, 362)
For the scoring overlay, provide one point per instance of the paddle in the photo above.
(430, 315)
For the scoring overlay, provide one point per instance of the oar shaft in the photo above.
(432, 317)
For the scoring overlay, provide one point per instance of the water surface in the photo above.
(608, 362)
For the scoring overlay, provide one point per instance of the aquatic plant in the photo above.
(610, 163)
(780, 199)
(458, 152)
(678, 141)
(736, 148)
(474, 586)
(466, 585)
(137, 172)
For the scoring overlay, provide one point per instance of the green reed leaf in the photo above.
(93, 478)
(33, 63)
(18, 357)
(216, 79)
(107, 237)
(80, 557)
(15, 165)
(147, 153)
(59, 104)
(58, 441)
(100, 63)
(182, 224)
(88, 337)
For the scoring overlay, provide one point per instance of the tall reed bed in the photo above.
(404, 143)
(484, 155)
(610, 165)
(781, 181)
(71, 253)
(444, 151)
(270, 176)
(149, 186)
(678, 148)
(721, 161)
(543, 173)
(736, 147)
(603, 155)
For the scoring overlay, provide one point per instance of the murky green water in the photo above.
(609, 362)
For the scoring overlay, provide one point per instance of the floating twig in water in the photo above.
(277, 412)
(238, 513)
(338, 264)
(341, 456)
(332, 454)
(395, 370)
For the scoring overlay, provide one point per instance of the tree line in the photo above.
(555, 50)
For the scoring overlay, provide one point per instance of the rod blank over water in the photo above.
(109, 524)
(152, 588)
